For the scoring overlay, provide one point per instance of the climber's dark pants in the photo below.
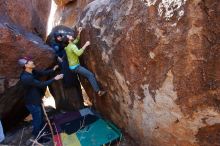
(89, 75)
(37, 115)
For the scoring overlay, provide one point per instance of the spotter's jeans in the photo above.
(37, 115)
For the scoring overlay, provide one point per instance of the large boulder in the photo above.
(69, 12)
(159, 62)
(16, 44)
(32, 15)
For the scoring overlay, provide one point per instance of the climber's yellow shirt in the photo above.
(73, 53)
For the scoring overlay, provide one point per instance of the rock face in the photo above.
(16, 44)
(63, 2)
(159, 62)
(21, 24)
(30, 14)
(68, 13)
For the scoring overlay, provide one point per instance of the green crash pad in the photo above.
(96, 134)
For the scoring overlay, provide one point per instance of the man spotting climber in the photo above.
(73, 54)
(34, 90)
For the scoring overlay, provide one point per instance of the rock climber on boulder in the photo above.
(73, 53)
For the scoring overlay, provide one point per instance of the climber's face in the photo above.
(69, 37)
(30, 65)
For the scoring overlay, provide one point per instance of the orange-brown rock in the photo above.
(63, 2)
(32, 15)
(16, 43)
(159, 62)
(69, 14)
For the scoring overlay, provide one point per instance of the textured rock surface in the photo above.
(16, 43)
(63, 2)
(20, 23)
(159, 62)
(69, 14)
(30, 14)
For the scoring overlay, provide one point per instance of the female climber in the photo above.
(73, 53)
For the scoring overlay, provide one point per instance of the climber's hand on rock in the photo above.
(87, 43)
(55, 67)
(79, 29)
(58, 77)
